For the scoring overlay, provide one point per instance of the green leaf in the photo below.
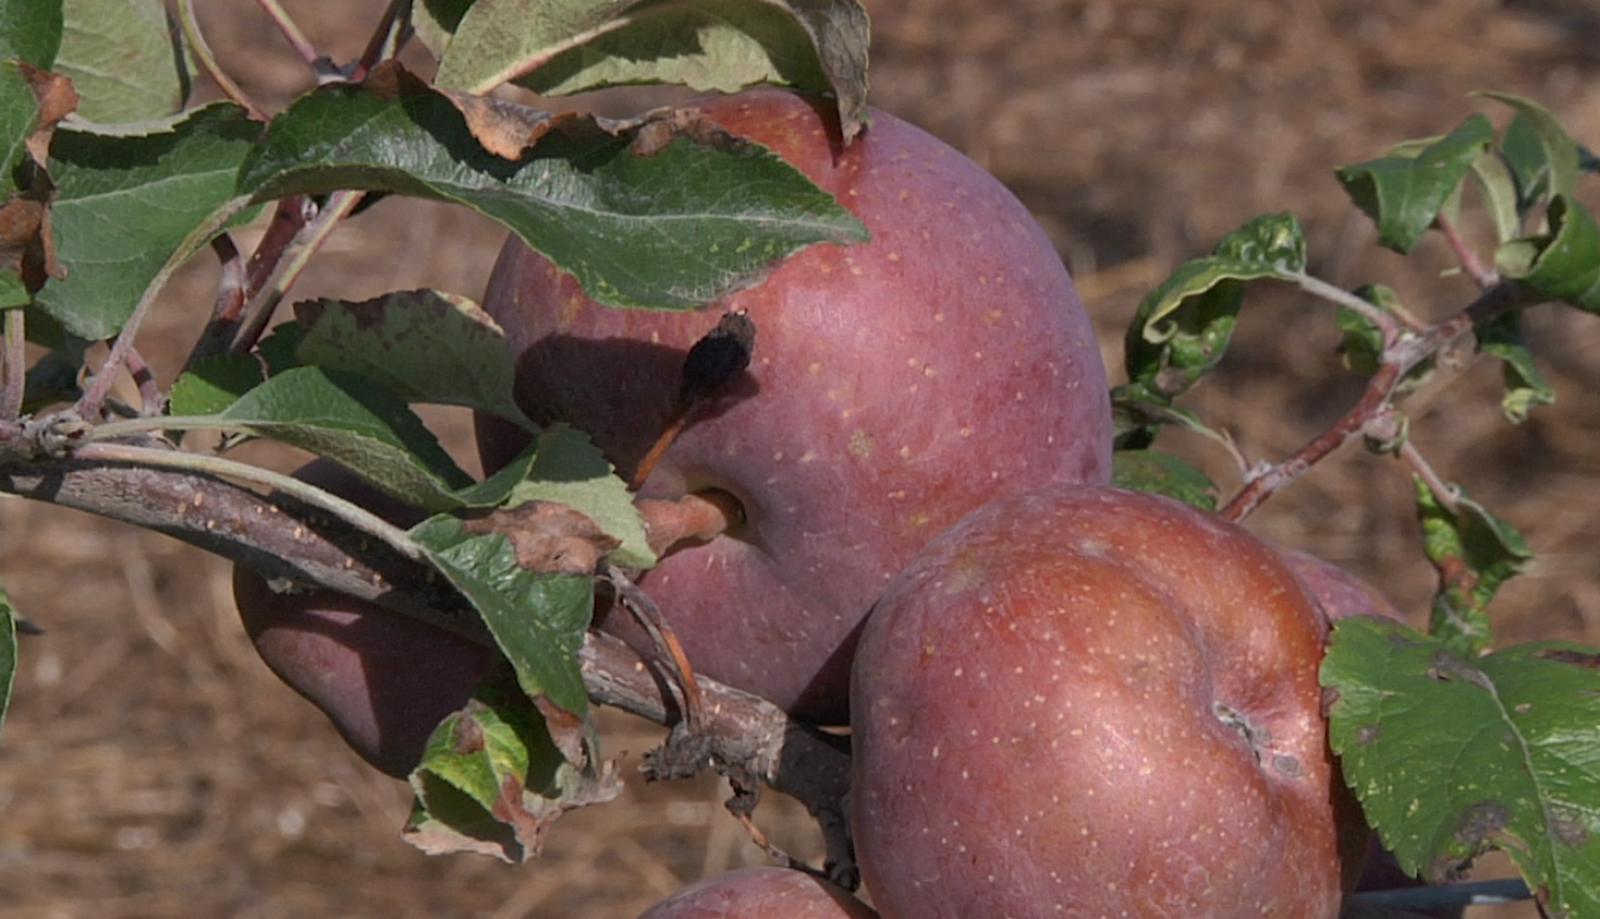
(492, 780)
(1137, 413)
(1453, 756)
(1498, 188)
(422, 345)
(1562, 265)
(570, 469)
(1163, 474)
(559, 47)
(674, 229)
(8, 652)
(13, 290)
(1183, 327)
(129, 205)
(1362, 345)
(280, 348)
(19, 115)
(124, 59)
(212, 384)
(1475, 553)
(30, 31)
(538, 619)
(1525, 385)
(1542, 155)
(353, 422)
(1404, 193)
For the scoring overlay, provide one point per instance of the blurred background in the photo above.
(152, 767)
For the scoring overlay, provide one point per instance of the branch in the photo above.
(289, 541)
(1399, 358)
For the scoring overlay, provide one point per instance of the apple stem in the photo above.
(698, 517)
(645, 612)
(719, 356)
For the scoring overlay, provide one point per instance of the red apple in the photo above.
(760, 893)
(895, 386)
(1339, 592)
(384, 680)
(1090, 702)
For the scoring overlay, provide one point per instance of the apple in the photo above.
(760, 893)
(1339, 592)
(895, 385)
(383, 679)
(1086, 701)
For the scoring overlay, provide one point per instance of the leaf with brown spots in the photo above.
(548, 536)
(497, 774)
(57, 99)
(672, 230)
(422, 345)
(1454, 757)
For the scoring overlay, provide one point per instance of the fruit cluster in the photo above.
(1067, 700)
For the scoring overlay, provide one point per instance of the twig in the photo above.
(645, 612)
(16, 370)
(228, 306)
(1482, 275)
(217, 466)
(90, 403)
(1399, 358)
(392, 33)
(152, 401)
(282, 266)
(1381, 318)
(208, 61)
(296, 38)
(1442, 492)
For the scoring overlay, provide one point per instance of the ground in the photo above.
(151, 767)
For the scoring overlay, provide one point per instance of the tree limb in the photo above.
(290, 542)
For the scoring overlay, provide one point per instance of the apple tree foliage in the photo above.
(111, 184)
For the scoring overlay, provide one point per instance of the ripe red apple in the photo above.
(760, 893)
(895, 386)
(1090, 702)
(384, 680)
(1339, 592)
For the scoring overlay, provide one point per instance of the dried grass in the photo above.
(151, 766)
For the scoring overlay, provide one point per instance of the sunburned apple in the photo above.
(895, 385)
(1090, 702)
(760, 893)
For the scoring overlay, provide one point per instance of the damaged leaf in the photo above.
(1453, 756)
(674, 229)
(1475, 552)
(560, 47)
(537, 618)
(422, 345)
(547, 536)
(496, 775)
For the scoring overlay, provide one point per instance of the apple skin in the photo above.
(1340, 593)
(760, 893)
(383, 679)
(1050, 704)
(895, 385)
